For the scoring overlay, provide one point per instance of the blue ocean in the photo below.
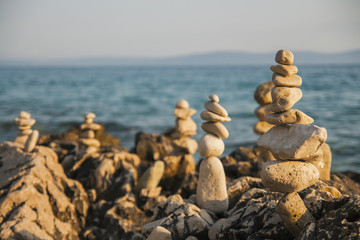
(131, 99)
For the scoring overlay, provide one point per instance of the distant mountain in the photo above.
(211, 58)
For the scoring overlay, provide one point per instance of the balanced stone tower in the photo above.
(262, 96)
(211, 193)
(26, 136)
(185, 128)
(88, 142)
(293, 143)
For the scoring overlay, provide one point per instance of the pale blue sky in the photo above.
(39, 29)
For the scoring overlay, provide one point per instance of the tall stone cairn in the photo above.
(211, 193)
(88, 142)
(185, 128)
(262, 96)
(27, 137)
(294, 144)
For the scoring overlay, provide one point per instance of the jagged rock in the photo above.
(181, 219)
(124, 218)
(37, 200)
(239, 186)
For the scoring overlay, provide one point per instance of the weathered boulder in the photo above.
(37, 200)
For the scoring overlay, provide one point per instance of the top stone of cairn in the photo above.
(284, 57)
(183, 104)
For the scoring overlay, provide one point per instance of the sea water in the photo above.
(131, 99)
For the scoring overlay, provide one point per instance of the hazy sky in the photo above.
(47, 29)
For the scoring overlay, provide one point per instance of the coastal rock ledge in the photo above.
(37, 200)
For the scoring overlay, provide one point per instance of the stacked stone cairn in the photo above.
(294, 144)
(211, 192)
(88, 143)
(185, 128)
(26, 136)
(262, 96)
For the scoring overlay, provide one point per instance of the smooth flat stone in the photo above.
(288, 117)
(216, 108)
(262, 127)
(25, 132)
(91, 126)
(211, 192)
(24, 122)
(284, 57)
(293, 142)
(217, 129)
(24, 127)
(90, 142)
(185, 125)
(262, 111)
(289, 81)
(212, 117)
(90, 115)
(183, 104)
(214, 98)
(31, 141)
(288, 176)
(285, 70)
(184, 113)
(211, 145)
(262, 94)
(284, 98)
(25, 115)
(294, 213)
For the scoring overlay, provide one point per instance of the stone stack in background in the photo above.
(185, 128)
(26, 137)
(293, 143)
(180, 161)
(211, 192)
(88, 142)
(262, 96)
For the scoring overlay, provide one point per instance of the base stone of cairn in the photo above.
(26, 136)
(294, 144)
(211, 192)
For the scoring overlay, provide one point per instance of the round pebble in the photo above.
(183, 104)
(284, 57)
(211, 146)
(214, 98)
(25, 115)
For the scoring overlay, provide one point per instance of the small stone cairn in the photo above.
(88, 142)
(211, 192)
(262, 96)
(185, 128)
(293, 143)
(26, 136)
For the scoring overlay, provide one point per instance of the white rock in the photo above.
(289, 81)
(211, 193)
(293, 142)
(211, 145)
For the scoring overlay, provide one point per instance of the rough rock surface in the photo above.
(37, 200)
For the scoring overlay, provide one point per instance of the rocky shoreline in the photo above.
(40, 199)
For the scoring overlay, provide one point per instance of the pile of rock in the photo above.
(211, 193)
(180, 161)
(26, 136)
(88, 142)
(293, 143)
(185, 128)
(262, 96)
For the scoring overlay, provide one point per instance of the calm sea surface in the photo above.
(129, 99)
